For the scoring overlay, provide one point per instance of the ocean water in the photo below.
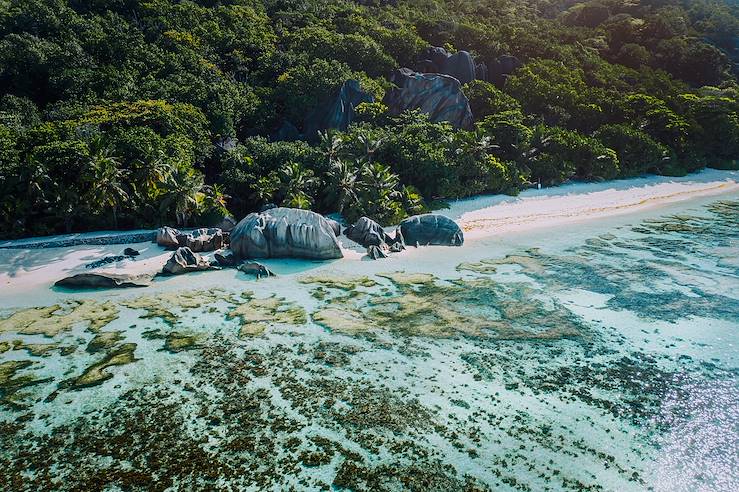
(596, 356)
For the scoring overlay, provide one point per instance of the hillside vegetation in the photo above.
(133, 113)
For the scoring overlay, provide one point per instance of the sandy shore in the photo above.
(26, 269)
(553, 207)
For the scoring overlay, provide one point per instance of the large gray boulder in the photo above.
(102, 280)
(184, 260)
(337, 112)
(460, 65)
(439, 96)
(431, 230)
(285, 233)
(502, 68)
(367, 232)
(167, 237)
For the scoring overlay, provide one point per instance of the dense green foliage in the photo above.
(128, 113)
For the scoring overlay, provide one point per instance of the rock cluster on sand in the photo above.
(419, 230)
(199, 240)
(184, 260)
(273, 233)
(285, 233)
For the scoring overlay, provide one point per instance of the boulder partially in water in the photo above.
(102, 280)
(184, 260)
(431, 230)
(285, 233)
(256, 269)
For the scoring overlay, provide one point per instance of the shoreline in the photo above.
(576, 203)
(29, 269)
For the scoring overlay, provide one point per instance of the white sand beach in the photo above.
(577, 202)
(23, 270)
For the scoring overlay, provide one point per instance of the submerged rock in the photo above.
(431, 230)
(99, 280)
(184, 260)
(256, 269)
(440, 96)
(285, 233)
(131, 252)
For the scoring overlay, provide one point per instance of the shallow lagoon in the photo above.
(599, 356)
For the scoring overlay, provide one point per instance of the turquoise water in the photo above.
(601, 356)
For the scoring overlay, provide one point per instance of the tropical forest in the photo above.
(121, 114)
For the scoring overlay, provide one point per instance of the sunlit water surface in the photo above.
(601, 356)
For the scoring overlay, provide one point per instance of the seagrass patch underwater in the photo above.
(600, 361)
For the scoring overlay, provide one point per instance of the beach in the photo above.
(588, 321)
(480, 217)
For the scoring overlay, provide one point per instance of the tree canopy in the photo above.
(133, 113)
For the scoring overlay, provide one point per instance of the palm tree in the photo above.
(379, 188)
(150, 175)
(106, 179)
(371, 146)
(183, 192)
(296, 182)
(331, 145)
(342, 184)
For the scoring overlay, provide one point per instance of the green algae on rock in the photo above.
(36, 349)
(52, 320)
(422, 305)
(164, 304)
(177, 342)
(257, 314)
(11, 385)
(338, 281)
(96, 374)
(104, 340)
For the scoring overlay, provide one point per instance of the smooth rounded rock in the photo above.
(431, 230)
(100, 280)
(285, 233)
